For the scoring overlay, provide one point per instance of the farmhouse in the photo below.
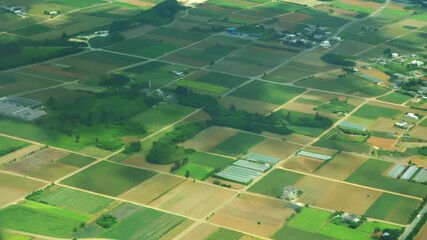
(294, 205)
(289, 193)
(325, 44)
(417, 63)
(412, 115)
(402, 124)
(350, 217)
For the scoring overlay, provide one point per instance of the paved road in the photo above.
(414, 223)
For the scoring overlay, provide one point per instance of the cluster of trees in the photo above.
(10, 48)
(338, 60)
(188, 98)
(162, 13)
(317, 122)
(422, 151)
(337, 220)
(166, 150)
(133, 147)
(106, 220)
(242, 120)
(393, 234)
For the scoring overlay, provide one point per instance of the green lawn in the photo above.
(199, 172)
(41, 219)
(371, 173)
(143, 224)
(8, 145)
(395, 97)
(209, 160)
(161, 116)
(274, 182)
(108, 178)
(375, 112)
(393, 208)
(237, 144)
(313, 223)
(268, 92)
(76, 160)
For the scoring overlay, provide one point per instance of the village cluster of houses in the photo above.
(311, 36)
(405, 124)
(18, 10)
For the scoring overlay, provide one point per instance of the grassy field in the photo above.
(76, 160)
(395, 97)
(8, 145)
(274, 182)
(73, 200)
(313, 223)
(196, 171)
(237, 144)
(393, 208)
(143, 224)
(267, 92)
(161, 116)
(108, 178)
(209, 160)
(42, 219)
(371, 173)
(374, 112)
(222, 233)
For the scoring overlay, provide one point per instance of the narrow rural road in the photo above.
(414, 223)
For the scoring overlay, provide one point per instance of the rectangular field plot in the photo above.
(223, 233)
(207, 52)
(195, 171)
(155, 73)
(372, 174)
(162, 115)
(72, 199)
(14, 187)
(331, 194)
(395, 97)
(303, 164)
(313, 223)
(42, 164)
(341, 166)
(76, 160)
(153, 188)
(143, 223)
(237, 144)
(244, 213)
(109, 178)
(274, 182)
(393, 208)
(43, 219)
(181, 199)
(94, 62)
(9, 145)
(13, 83)
(374, 112)
(211, 82)
(267, 92)
(244, 104)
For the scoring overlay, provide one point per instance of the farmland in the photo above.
(239, 119)
(120, 178)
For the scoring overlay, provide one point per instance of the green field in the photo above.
(237, 144)
(267, 92)
(161, 116)
(274, 182)
(371, 173)
(76, 160)
(335, 106)
(196, 171)
(207, 87)
(143, 224)
(393, 208)
(209, 160)
(73, 200)
(313, 223)
(351, 7)
(222, 233)
(395, 97)
(374, 112)
(108, 178)
(8, 145)
(42, 219)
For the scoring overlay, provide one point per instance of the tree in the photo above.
(187, 174)
(77, 136)
(133, 147)
(106, 220)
